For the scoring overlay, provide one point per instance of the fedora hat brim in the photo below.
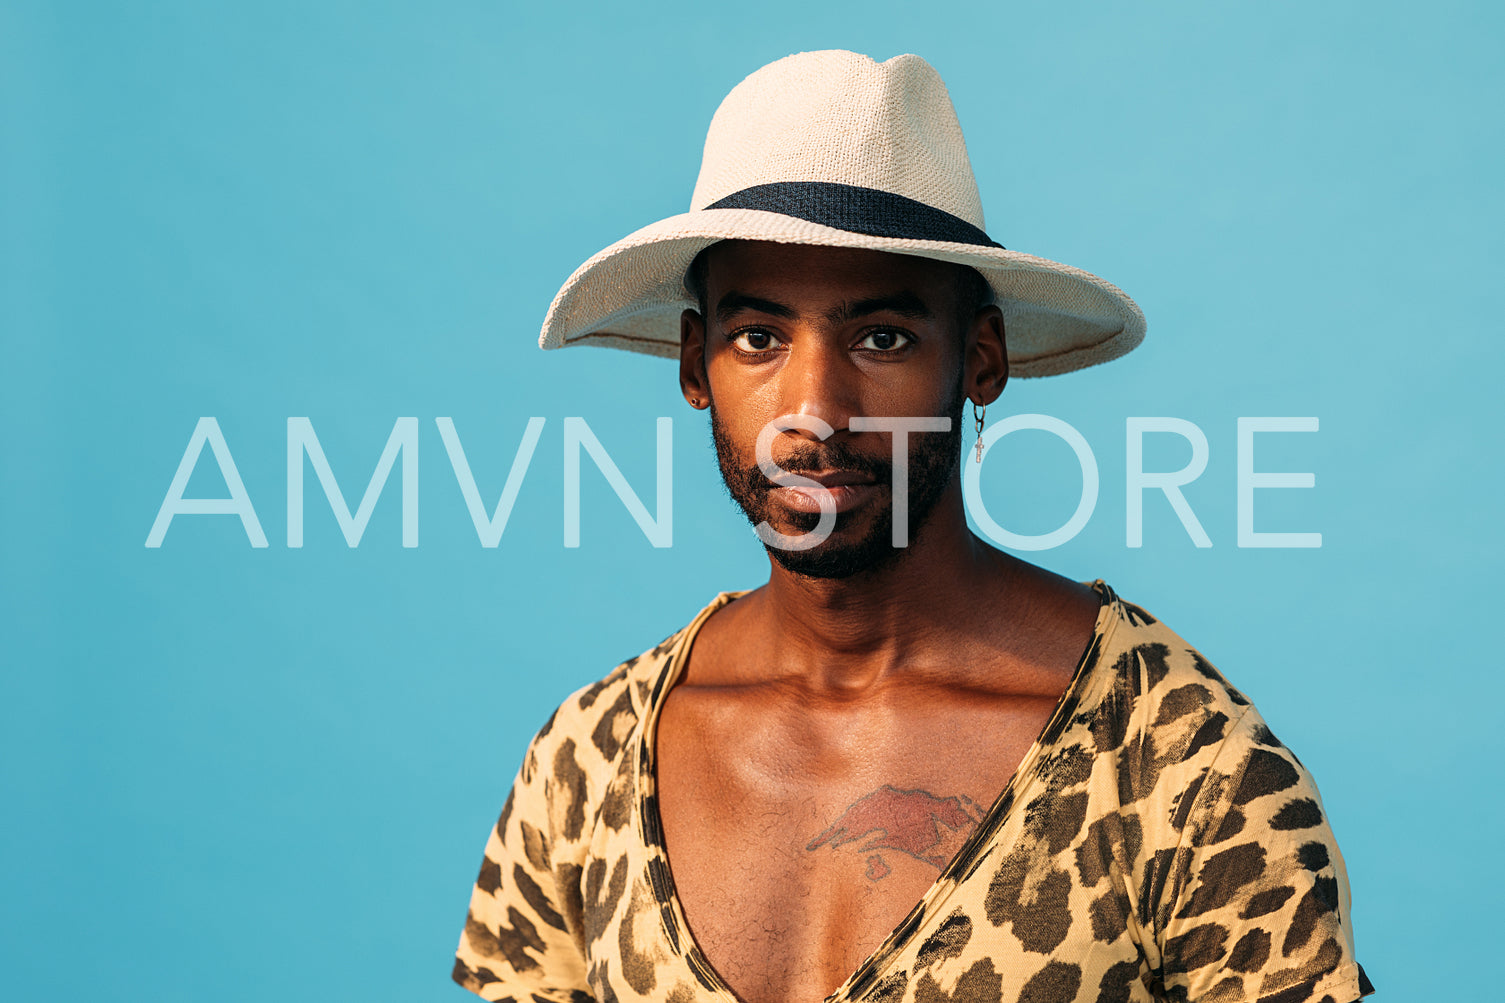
(630, 295)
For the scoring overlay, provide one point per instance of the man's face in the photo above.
(834, 334)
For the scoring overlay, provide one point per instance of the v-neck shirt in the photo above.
(1156, 842)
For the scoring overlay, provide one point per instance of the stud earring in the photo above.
(978, 416)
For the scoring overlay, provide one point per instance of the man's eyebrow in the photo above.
(905, 304)
(735, 302)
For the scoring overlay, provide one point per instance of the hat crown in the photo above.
(841, 117)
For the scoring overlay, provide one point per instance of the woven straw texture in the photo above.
(843, 118)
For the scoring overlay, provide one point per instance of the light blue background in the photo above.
(242, 774)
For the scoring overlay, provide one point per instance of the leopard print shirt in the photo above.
(1156, 843)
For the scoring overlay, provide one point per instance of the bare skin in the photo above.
(833, 741)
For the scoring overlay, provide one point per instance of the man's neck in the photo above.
(946, 593)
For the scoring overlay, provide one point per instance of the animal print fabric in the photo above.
(1156, 843)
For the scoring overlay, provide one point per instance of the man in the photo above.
(910, 767)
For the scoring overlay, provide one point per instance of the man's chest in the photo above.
(800, 837)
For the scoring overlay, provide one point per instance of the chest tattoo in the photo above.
(913, 822)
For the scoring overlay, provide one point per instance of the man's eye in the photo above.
(884, 341)
(753, 341)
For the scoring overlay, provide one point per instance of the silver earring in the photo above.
(978, 416)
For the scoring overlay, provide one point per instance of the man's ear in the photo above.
(693, 382)
(987, 362)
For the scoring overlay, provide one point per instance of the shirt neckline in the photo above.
(650, 824)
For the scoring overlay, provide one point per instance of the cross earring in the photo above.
(978, 416)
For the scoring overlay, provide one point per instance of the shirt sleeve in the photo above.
(521, 939)
(1259, 909)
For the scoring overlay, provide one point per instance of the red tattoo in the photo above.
(915, 822)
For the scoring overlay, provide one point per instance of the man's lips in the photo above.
(826, 478)
(846, 488)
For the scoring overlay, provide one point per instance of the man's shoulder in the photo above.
(1186, 738)
(1165, 662)
(596, 721)
(1151, 692)
(604, 712)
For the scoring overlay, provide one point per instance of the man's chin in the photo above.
(858, 543)
(832, 560)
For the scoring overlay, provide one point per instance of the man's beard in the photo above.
(933, 460)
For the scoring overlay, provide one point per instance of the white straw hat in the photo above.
(835, 149)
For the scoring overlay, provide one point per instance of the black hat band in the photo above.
(857, 210)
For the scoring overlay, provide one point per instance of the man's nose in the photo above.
(819, 380)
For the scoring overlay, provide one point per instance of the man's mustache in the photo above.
(829, 456)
